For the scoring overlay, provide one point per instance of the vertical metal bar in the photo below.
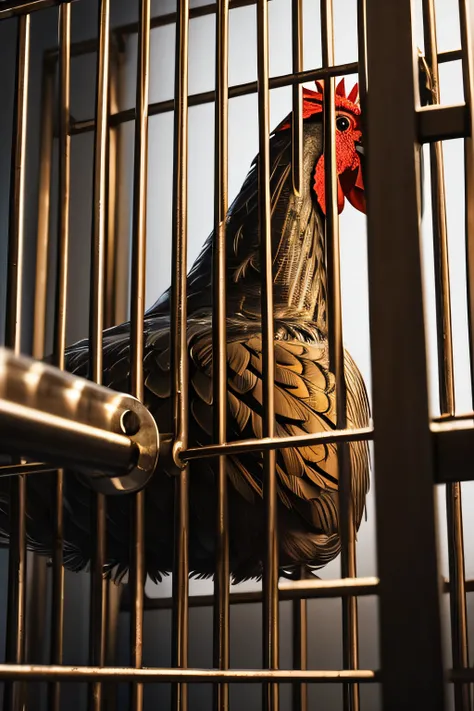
(336, 362)
(15, 632)
(36, 615)
(138, 571)
(459, 641)
(297, 94)
(270, 567)
(44, 206)
(468, 82)
(362, 55)
(179, 356)
(221, 579)
(98, 600)
(59, 345)
(412, 663)
(113, 311)
(300, 649)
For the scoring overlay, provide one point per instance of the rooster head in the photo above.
(349, 148)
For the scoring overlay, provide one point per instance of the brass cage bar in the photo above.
(179, 358)
(270, 609)
(221, 647)
(137, 308)
(16, 601)
(98, 588)
(459, 641)
(350, 644)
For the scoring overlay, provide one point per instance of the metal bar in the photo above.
(270, 627)
(28, 468)
(308, 590)
(297, 96)
(452, 441)
(44, 206)
(449, 115)
(138, 570)
(439, 123)
(350, 646)
(13, 9)
(465, 20)
(268, 443)
(98, 590)
(64, 441)
(412, 663)
(459, 642)
(16, 603)
(196, 676)
(208, 97)
(300, 646)
(115, 309)
(303, 589)
(453, 446)
(179, 357)
(59, 344)
(221, 649)
(37, 609)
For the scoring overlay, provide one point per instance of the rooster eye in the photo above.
(342, 123)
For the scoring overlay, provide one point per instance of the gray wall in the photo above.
(325, 616)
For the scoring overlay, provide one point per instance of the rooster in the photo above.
(304, 387)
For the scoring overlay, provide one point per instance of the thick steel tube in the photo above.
(138, 572)
(108, 436)
(179, 357)
(16, 604)
(221, 649)
(459, 640)
(270, 626)
(336, 361)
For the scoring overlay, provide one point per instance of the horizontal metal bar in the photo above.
(432, 127)
(454, 451)
(160, 675)
(440, 123)
(207, 97)
(266, 444)
(454, 418)
(299, 590)
(460, 676)
(13, 9)
(46, 412)
(27, 468)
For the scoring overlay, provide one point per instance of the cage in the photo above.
(128, 128)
